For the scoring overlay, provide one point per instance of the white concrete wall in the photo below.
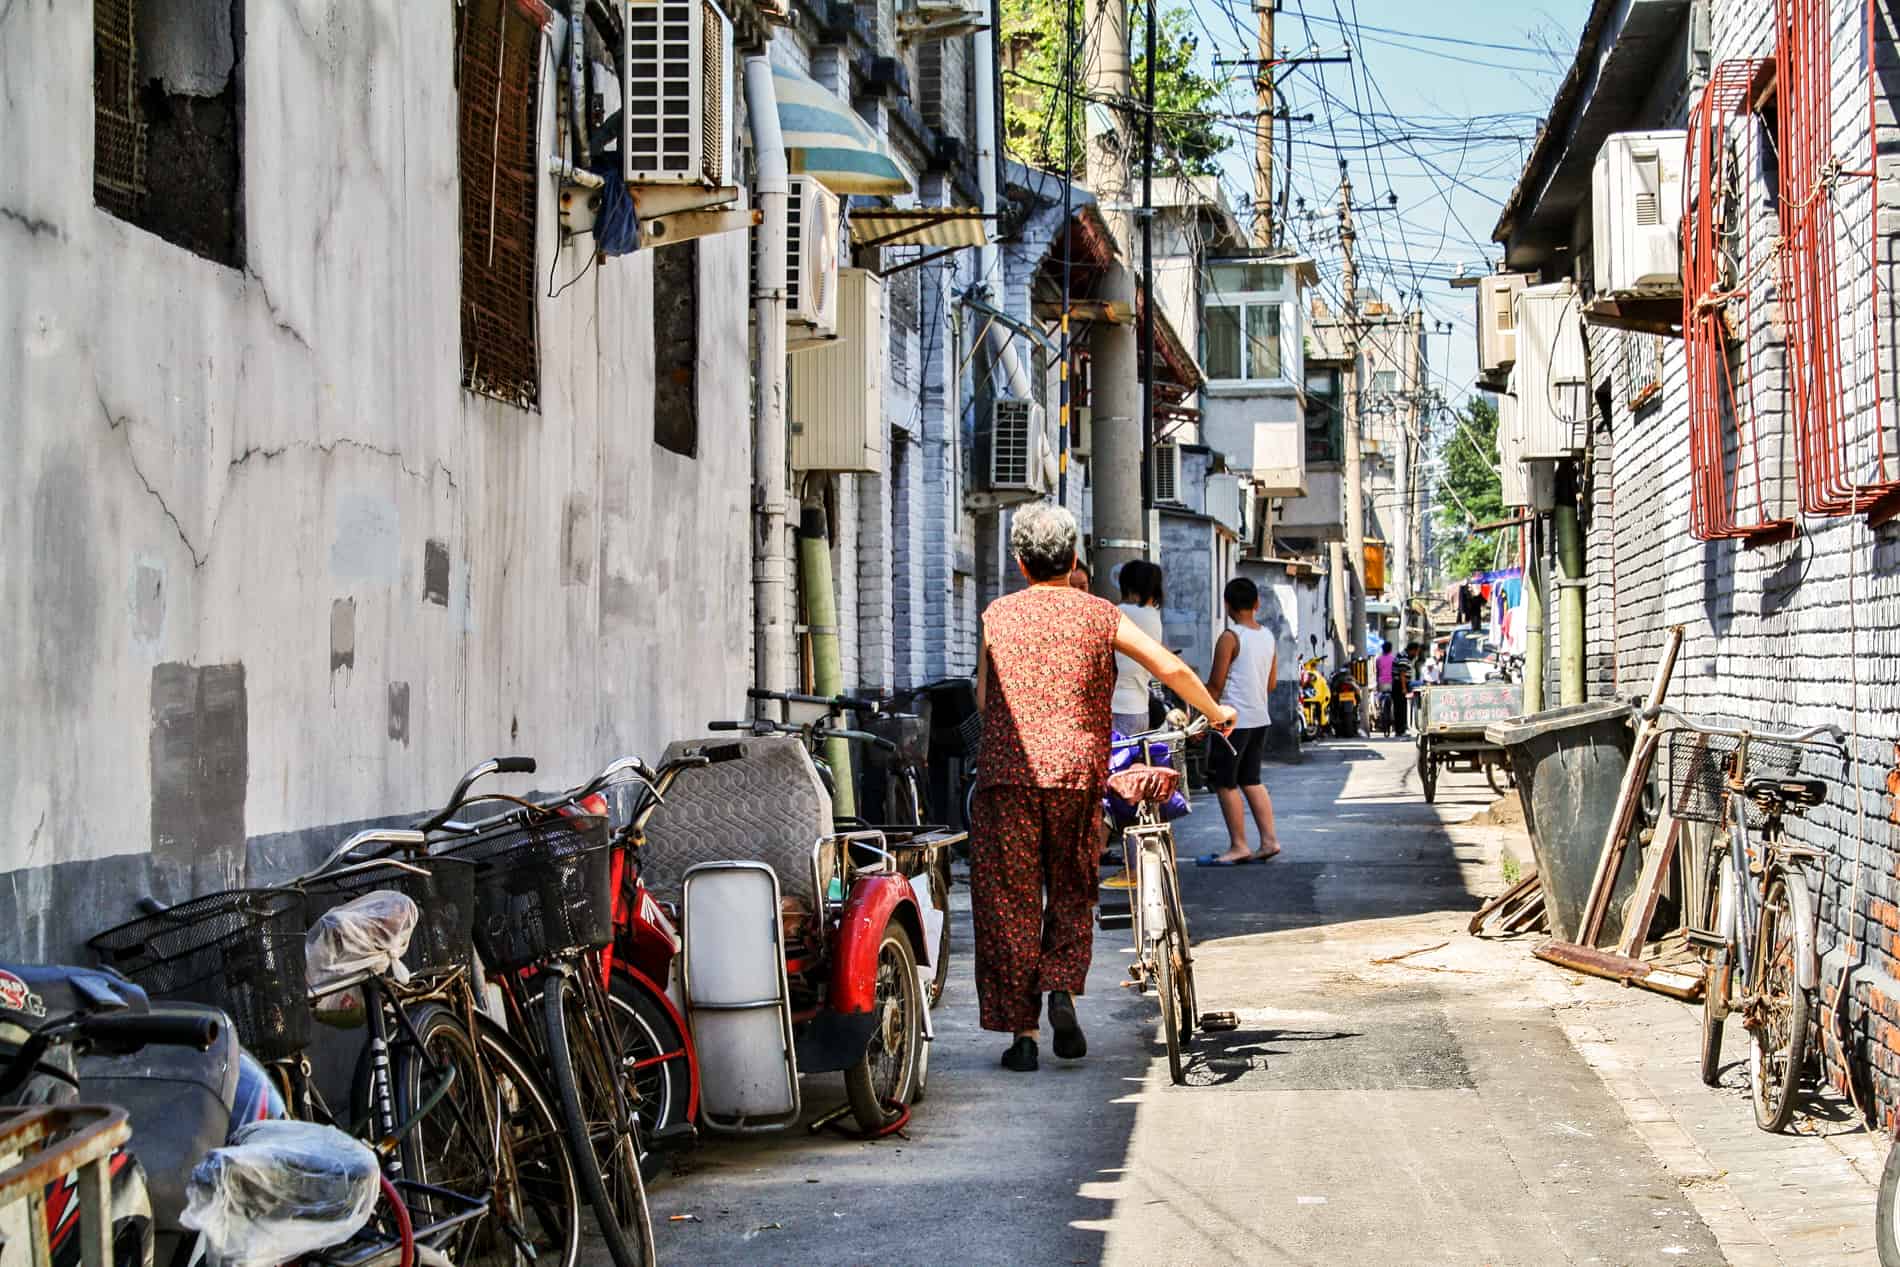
(215, 467)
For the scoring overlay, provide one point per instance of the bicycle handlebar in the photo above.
(494, 765)
(197, 1032)
(837, 703)
(1834, 734)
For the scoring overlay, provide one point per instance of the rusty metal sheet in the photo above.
(83, 1134)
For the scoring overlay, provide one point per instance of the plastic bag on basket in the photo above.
(369, 934)
(278, 1191)
(1125, 756)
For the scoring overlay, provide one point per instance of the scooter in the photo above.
(1315, 700)
(71, 1035)
(1347, 701)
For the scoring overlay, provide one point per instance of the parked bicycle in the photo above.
(1759, 927)
(543, 914)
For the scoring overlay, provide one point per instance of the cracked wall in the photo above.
(272, 472)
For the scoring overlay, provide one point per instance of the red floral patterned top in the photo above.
(1051, 679)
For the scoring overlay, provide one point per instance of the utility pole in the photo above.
(1355, 489)
(1263, 222)
(1147, 214)
(1121, 531)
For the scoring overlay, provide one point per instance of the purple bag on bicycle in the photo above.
(1123, 754)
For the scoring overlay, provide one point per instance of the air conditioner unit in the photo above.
(1510, 466)
(1081, 430)
(1497, 323)
(836, 404)
(811, 260)
(1017, 447)
(941, 19)
(1167, 473)
(676, 128)
(1226, 496)
(1636, 210)
(1553, 387)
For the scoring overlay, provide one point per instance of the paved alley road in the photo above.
(1423, 1110)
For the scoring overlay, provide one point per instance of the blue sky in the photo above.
(1438, 108)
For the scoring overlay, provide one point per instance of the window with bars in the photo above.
(1642, 369)
(676, 348)
(498, 60)
(167, 130)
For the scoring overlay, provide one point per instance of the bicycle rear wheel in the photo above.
(597, 1122)
(1781, 1008)
(543, 1199)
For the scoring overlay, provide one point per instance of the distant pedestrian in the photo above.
(1045, 679)
(1246, 669)
(1079, 578)
(1140, 583)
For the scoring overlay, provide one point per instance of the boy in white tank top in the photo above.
(1246, 669)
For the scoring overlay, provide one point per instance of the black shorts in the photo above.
(1241, 767)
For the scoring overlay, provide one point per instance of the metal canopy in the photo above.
(942, 228)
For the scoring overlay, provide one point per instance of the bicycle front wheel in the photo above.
(598, 1124)
(1781, 1007)
(537, 1219)
(1887, 1211)
(1181, 966)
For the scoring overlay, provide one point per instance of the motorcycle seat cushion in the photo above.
(179, 1104)
(766, 806)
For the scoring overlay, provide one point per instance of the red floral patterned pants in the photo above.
(1025, 842)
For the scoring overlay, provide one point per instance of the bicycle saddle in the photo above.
(1801, 793)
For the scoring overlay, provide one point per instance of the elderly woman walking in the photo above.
(1045, 681)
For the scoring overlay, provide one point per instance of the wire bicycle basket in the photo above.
(240, 951)
(1700, 766)
(542, 889)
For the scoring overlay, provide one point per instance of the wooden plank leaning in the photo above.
(1610, 861)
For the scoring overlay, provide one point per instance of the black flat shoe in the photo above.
(1071, 1043)
(1021, 1056)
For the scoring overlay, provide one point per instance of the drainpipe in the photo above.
(1570, 604)
(576, 78)
(772, 184)
(989, 270)
(827, 661)
(1534, 621)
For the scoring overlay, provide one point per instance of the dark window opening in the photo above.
(676, 348)
(1325, 425)
(167, 109)
(498, 61)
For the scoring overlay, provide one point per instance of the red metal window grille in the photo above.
(1722, 273)
(1835, 316)
(497, 77)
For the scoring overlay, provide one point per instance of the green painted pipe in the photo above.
(1534, 627)
(827, 663)
(1571, 680)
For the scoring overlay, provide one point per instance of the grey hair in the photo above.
(1043, 536)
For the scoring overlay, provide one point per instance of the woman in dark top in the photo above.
(1045, 677)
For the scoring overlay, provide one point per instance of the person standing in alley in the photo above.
(1045, 681)
(1140, 583)
(1246, 669)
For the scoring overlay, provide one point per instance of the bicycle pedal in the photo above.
(1218, 1022)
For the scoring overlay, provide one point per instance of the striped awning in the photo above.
(939, 227)
(824, 137)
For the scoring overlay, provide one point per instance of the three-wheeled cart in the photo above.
(1451, 721)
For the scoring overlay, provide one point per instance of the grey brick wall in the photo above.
(1783, 635)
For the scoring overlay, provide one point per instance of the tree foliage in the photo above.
(1188, 136)
(1468, 488)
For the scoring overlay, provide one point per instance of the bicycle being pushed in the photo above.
(1143, 798)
